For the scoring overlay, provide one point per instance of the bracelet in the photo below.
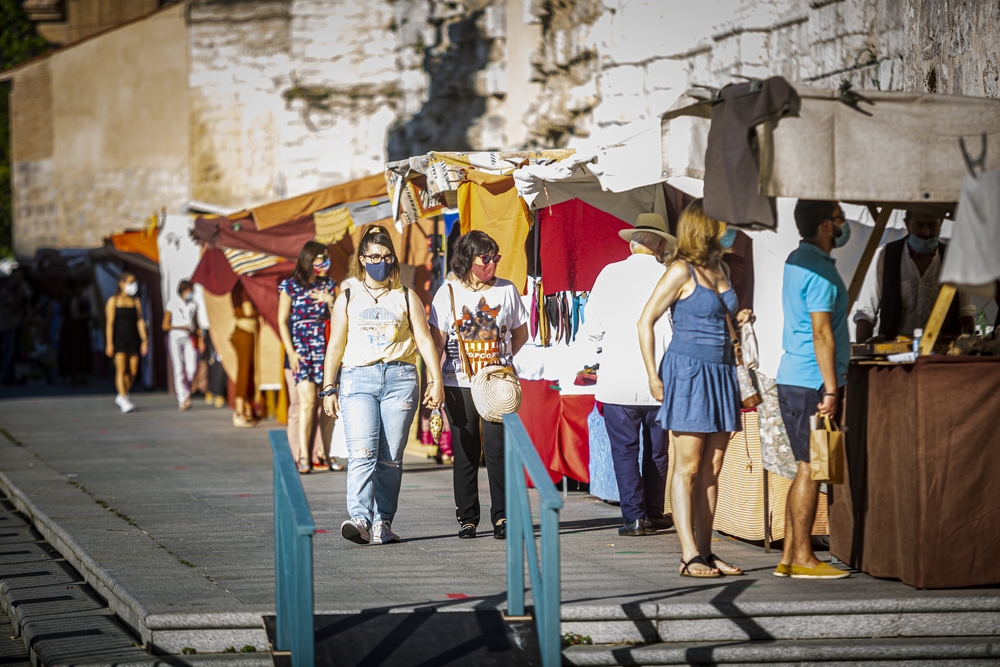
(332, 391)
(829, 394)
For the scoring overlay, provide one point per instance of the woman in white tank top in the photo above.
(376, 331)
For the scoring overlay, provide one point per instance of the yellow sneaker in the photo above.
(783, 570)
(821, 571)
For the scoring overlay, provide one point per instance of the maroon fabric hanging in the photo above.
(578, 241)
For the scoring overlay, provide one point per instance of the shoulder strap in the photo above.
(406, 297)
(347, 294)
(463, 359)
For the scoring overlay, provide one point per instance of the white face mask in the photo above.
(131, 288)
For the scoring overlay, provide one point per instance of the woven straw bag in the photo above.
(496, 392)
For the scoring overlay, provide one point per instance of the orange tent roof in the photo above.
(279, 212)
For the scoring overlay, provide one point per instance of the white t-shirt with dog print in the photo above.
(486, 319)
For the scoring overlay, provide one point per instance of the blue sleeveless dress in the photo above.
(701, 393)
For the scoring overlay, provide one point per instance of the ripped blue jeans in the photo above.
(377, 404)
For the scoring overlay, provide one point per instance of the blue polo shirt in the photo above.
(811, 285)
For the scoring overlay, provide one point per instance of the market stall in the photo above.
(912, 507)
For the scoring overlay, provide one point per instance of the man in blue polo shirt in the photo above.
(813, 368)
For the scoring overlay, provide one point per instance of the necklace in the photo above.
(475, 289)
(382, 291)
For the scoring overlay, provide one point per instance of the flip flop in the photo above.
(686, 572)
(722, 566)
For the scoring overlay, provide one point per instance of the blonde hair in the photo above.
(698, 236)
(376, 235)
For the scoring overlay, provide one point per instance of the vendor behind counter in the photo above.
(903, 282)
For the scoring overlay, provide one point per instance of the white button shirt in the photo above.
(917, 293)
(619, 295)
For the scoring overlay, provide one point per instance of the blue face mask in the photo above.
(728, 238)
(922, 246)
(845, 235)
(379, 272)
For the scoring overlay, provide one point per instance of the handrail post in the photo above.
(293, 564)
(522, 462)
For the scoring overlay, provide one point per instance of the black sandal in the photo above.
(686, 572)
(713, 561)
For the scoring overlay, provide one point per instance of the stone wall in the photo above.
(603, 63)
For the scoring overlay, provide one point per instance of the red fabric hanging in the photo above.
(577, 241)
(557, 426)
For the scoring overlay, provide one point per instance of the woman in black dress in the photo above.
(126, 336)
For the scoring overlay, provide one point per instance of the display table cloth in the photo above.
(557, 425)
(920, 502)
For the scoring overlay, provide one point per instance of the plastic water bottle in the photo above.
(917, 335)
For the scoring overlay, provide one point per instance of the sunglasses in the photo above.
(486, 259)
(378, 259)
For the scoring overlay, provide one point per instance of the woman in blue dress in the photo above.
(304, 317)
(697, 380)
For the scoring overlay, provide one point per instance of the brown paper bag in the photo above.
(826, 452)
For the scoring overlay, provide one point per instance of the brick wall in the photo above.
(31, 114)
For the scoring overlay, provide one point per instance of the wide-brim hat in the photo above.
(650, 222)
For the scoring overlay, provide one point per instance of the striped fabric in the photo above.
(245, 262)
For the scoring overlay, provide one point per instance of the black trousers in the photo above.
(470, 436)
(641, 484)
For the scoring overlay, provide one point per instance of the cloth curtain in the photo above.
(557, 425)
(577, 241)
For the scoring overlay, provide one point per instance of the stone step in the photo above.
(951, 651)
(785, 620)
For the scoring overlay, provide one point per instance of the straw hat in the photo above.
(651, 222)
(496, 392)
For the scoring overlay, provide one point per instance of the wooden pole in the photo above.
(934, 322)
(866, 256)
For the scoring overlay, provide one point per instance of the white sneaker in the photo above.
(382, 534)
(120, 402)
(356, 530)
(128, 405)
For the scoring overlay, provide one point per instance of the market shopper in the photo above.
(244, 342)
(903, 282)
(477, 320)
(304, 317)
(696, 380)
(126, 336)
(375, 334)
(180, 321)
(813, 368)
(616, 301)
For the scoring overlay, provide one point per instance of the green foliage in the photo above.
(572, 639)
(18, 42)
(187, 650)
(248, 649)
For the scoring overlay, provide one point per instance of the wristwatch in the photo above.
(332, 391)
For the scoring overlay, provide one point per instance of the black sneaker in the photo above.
(467, 532)
(500, 530)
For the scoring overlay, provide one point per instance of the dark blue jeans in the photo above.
(641, 483)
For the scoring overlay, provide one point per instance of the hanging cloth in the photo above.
(578, 241)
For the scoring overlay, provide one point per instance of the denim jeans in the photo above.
(378, 403)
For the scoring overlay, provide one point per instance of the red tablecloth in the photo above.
(557, 425)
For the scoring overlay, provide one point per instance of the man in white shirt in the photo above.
(903, 282)
(619, 295)
(180, 321)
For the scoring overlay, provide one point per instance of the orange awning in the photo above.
(142, 243)
(276, 213)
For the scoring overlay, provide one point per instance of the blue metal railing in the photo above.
(520, 457)
(293, 565)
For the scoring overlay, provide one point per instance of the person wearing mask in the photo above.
(903, 282)
(696, 381)
(126, 336)
(813, 368)
(184, 341)
(304, 318)
(377, 329)
(616, 301)
(244, 342)
(477, 320)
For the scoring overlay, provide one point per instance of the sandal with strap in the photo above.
(697, 560)
(723, 567)
(304, 467)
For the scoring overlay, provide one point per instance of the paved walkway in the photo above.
(173, 511)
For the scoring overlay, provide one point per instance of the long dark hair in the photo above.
(122, 279)
(467, 248)
(377, 235)
(303, 273)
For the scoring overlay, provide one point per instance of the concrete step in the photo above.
(785, 620)
(951, 651)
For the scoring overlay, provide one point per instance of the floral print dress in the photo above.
(309, 323)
